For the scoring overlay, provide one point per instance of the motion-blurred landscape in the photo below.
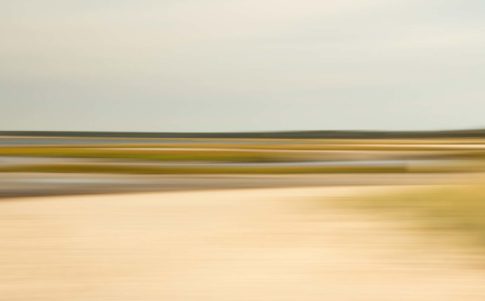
(242, 150)
(50, 162)
(240, 216)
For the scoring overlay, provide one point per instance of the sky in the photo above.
(241, 65)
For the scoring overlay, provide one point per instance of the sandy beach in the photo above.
(260, 244)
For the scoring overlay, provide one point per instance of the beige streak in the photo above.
(238, 245)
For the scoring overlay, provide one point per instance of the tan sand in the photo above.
(238, 245)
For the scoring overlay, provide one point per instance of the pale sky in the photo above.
(241, 65)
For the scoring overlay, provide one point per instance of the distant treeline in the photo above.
(266, 135)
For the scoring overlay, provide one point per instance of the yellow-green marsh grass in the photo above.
(120, 168)
(152, 154)
(194, 169)
(456, 210)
